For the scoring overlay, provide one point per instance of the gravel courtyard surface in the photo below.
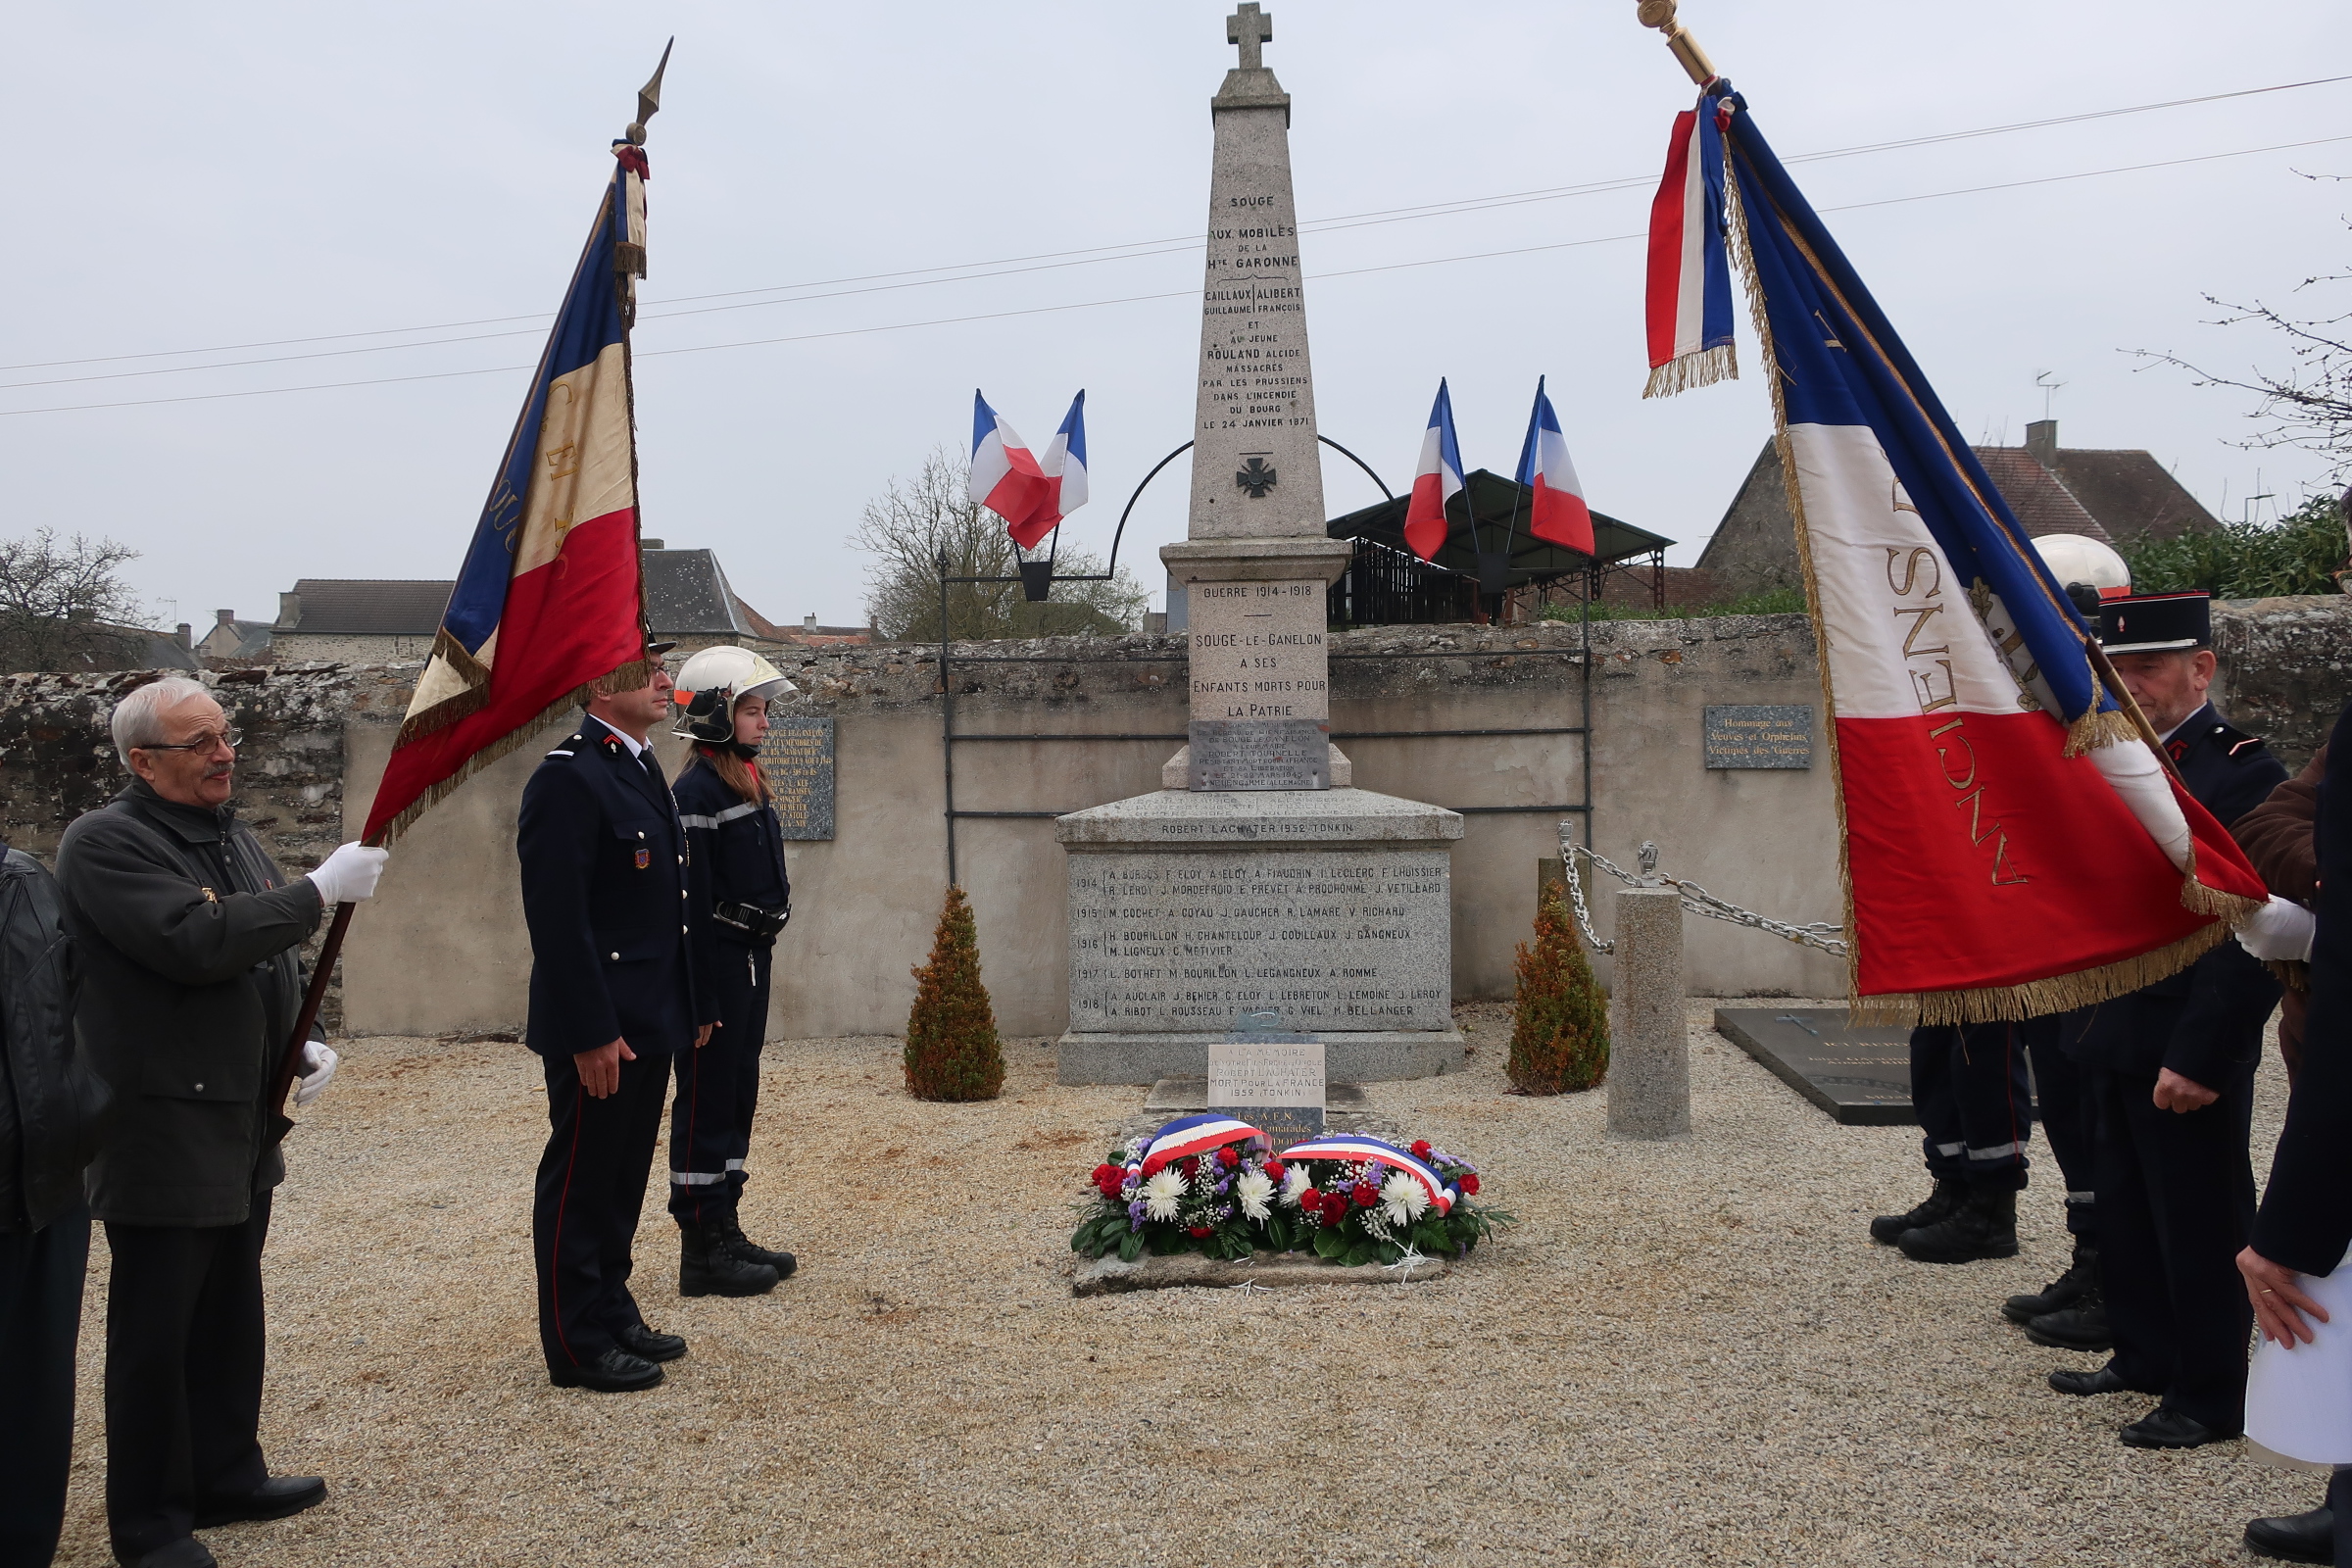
(1689, 1352)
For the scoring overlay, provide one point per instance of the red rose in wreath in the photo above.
(1276, 1170)
(1200, 1231)
(1366, 1193)
(1310, 1201)
(1227, 1158)
(1469, 1183)
(1420, 1149)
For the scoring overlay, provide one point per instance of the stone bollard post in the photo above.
(1649, 1050)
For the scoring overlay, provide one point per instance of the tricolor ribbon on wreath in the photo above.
(1357, 1150)
(2014, 842)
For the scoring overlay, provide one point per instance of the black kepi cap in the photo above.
(2156, 623)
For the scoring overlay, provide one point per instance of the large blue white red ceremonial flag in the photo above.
(1436, 480)
(1006, 476)
(2014, 842)
(1689, 302)
(549, 599)
(1557, 510)
(1065, 468)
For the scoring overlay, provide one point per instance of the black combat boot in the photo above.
(1939, 1204)
(2296, 1536)
(1985, 1225)
(2079, 1327)
(706, 1268)
(2080, 1279)
(738, 1244)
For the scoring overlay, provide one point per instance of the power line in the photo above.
(1184, 293)
(1094, 254)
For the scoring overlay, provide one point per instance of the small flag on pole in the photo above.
(1064, 469)
(1690, 295)
(1436, 480)
(1557, 510)
(1006, 476)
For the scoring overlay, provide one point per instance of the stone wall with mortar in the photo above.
(2286, 668)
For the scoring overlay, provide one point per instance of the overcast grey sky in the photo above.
(194, 178)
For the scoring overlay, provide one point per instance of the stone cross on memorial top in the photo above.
(1249, 28)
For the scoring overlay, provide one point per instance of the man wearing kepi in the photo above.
(612, 999)
(2171, 1070)
(184, 933)
(743, 897)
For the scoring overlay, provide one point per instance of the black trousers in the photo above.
(719, 1091)
(183, 1374)
(2175, 1206)
(40, 1321)
(2339, 1500)
(2062, 1103)
(1974, 1099)
(600, 1154)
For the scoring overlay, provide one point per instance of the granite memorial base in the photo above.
(1859, 1076)
(1108, 1275)
(1189, 908)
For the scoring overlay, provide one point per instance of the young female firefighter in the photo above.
(739, 898)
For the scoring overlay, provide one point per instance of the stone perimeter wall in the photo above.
(442, 950)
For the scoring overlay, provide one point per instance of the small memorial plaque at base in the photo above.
(1273, 1082)
(1259, 753)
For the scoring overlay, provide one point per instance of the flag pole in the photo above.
(1659, 13)
(313, 996)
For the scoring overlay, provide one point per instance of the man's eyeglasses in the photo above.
(232, 737)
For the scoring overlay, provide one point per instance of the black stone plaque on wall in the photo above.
(1759, 735)
(797, 760)
(1259, 753)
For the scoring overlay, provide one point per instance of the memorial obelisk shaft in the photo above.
(1255, 560)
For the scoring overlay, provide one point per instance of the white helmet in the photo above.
(2074, 559)
(712, 682)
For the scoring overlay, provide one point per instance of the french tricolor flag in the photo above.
(1557, 509)
(1689, 302)
(1064, 469)
(1435, 481)
(1007, 478)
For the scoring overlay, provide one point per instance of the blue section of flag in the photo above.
(1715, 292)
(1450, 450)
(1073, 428)
(1842, 364)
(984, 420)
(589, 322)
(1540, 418)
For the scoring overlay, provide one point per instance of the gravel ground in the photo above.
(1689, 1352)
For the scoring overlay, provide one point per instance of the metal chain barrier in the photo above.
(1817, 934)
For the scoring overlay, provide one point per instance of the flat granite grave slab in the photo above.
(1108, 1275)
(1862, 1077)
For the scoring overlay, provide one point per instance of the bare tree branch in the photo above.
(58, 601)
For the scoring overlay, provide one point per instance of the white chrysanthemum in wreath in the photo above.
(1254, 1188)
(1402, 1199)
(1162, 1193)
(1294, 1180)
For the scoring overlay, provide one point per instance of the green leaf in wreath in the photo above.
(1330, 1244)
(1131, 1246)
(1361, 1252)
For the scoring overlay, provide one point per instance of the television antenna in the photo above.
(2049, 389)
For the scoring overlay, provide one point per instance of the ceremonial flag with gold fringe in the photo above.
(550, 598)
(2014, 842)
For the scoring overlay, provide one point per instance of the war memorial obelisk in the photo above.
(1257, 878)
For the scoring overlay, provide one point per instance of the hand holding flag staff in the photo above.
(2014, 842)
(549, 599)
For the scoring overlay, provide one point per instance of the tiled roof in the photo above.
(2041, 503)
(363, 606)
(2130, 493)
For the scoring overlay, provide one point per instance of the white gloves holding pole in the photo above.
(2281, 929)
(319, 1060)
(349, 875)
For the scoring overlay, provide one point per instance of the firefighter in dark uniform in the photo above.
(612, 999)
(742, 898)
(2171, 1075)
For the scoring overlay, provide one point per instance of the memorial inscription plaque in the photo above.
(1759, 735)
(797, 760)
(1274, 1083)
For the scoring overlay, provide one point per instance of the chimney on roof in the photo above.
(808, 624)
(289, 612)
(187, 635)
(2042, 440)
(652, 544)
(226, 617)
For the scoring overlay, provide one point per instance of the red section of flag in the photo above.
(1662, 298)
(1425, 516)
(1562, 516)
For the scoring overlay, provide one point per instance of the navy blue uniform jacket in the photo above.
(2305, 1218)
(604, 893)
(2204, 1023)
(737, 857)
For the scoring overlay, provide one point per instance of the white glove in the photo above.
(319, 1060)
(349, 875)
(2281, 929)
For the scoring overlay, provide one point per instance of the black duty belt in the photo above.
(751, 919)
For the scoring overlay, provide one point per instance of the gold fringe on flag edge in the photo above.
(1686, 372)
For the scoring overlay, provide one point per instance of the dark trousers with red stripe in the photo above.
(1974, 1099)
(719, 1088)
(592, 1180)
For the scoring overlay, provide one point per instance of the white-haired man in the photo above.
(187, 934)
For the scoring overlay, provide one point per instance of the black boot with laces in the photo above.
(743, 1247)
(1985, 1225)
(706, 1268)
(2080, 1279)
(1949, 1190)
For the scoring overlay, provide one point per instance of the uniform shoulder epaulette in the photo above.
(2236, 743)
(560, 749)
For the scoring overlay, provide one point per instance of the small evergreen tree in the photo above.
(951, 1047)
(1560, 1031)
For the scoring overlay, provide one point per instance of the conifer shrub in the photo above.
(951, 1047)
(1560, 1030)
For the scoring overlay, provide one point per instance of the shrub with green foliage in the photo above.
(1560, 1033)
(1768, 602)
(2299, 553)
(951, 1047)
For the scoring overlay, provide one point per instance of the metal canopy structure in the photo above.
(1486, 507)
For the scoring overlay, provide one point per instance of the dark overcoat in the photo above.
(52, 1105)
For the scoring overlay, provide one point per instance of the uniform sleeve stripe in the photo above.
(734, 811)
(559, 753)
(694, 819)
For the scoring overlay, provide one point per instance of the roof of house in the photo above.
(368, 607)
(2042, 503)
(2129, 492)
(252, 639)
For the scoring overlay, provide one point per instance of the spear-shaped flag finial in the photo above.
(648, 98)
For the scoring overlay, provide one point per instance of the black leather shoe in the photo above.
(2296, 1536)
(2079, 1327)
(615, 1371)
(706, 1268)
(648, 1346)
(743, 1247)
(1889, 1228)
(2161, 1428)
(2066, 1380)
(274, 1499)
(1985, 1225)
(185, 1552)
(2080, 1277)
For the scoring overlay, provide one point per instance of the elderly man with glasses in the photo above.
(186, 935)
